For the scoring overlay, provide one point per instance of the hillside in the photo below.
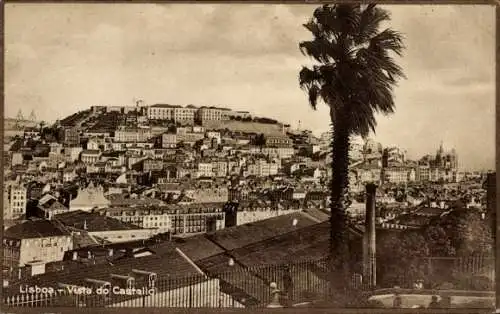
(246, 127)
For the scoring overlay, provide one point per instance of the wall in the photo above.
(117, 236)
(205, 294)
(244, 217)
(47, 249)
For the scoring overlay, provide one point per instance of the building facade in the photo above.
(15, 200)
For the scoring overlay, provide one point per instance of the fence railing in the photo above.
(249, 287)
(461, 273)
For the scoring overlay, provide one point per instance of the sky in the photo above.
(61, 58)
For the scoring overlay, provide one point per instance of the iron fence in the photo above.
(476, 272)
(253, 287)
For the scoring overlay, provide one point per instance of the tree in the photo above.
(400, 258)
(468, 232)
(260, 140)
(354, 75)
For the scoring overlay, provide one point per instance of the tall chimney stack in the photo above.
(369, 245)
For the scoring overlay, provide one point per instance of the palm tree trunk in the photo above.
(339, 246)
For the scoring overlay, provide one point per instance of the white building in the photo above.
(212, 114)
(161, 112)
(184, 115)
(133, 135)
(15, 200)
(205, 169)
(168, 140)
(90, 156)
(35, 241)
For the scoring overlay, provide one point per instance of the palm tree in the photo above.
(354, 74)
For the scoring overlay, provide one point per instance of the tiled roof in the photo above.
(165, 106)
(91, 151)
(94, 221)
(317, 214)
(171, 266)
(308, 243)
(120, 200)
(239, 236)
(34, 229)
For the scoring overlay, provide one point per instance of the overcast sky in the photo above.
(61, 58)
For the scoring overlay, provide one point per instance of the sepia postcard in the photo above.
(221, 156)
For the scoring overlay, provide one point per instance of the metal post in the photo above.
(369, 247)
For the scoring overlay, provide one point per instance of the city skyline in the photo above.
(94, 54)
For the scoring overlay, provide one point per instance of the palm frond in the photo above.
(356, 74)
(314, 92)
(388, 40)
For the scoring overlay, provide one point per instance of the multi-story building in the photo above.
(125, 135)
(212, 114)
(197, 222)
(219, 168)
(190, 137)
(393, 156)
(90, 156)
(208, 195)
(17, 159)
(205, 169)
(214, 135)
(70, 136)
(14, 201)
(423, 173)
(72, 153)
(161, 112)
(278, 141)
(34, 241)
(168, 140)
(262, 168)
(398, 175)
(185, 115)
(147, 218)
(278, 152)
(104, 227)
(121, 109)
(175, 218)
(55, 148)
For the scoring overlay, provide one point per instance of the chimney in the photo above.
(369, 241)
(75, 256)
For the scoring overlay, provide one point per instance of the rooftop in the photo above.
(34, 229)
(92, 222)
